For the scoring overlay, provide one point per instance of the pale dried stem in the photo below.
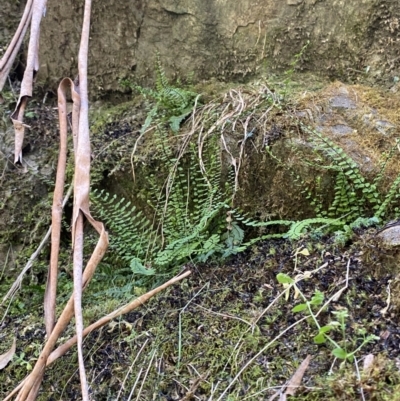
(130, 369)
(62, 349)
(32, 66)
(9, 56)
(56, 214)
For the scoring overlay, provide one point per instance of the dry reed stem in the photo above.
(62, 349)
(32, 66)
(9, 56)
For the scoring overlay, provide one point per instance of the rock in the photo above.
(341, 129)
(390, 236)
(342, 100)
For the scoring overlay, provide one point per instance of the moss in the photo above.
(197, 336)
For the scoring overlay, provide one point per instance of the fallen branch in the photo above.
(62, 349)
(29, 386)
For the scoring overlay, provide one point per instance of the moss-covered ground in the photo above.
(220, 329)
(226, 332)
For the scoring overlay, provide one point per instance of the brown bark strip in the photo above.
(9, 56)
(63, 321)
(51, 287)
(81, 191)
(32, 66)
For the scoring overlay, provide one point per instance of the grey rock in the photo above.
(390, 236)
(341, 129)
(342, 101)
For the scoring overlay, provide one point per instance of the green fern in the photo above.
(392, 196)
(354, 197)
(171, 97)
(188, 222)
(131, 231)
(353, 194)
(200, 244)
(170, 103)
(297, 229)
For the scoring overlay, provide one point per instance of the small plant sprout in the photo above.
(341, 349)
(300, 251)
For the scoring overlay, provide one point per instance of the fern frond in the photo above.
(297, 229)
(392, 195)
(131, 232)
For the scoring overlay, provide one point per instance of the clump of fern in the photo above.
(356, 201)
(188, 214)
(355, 196)
(130, 230)
(168, 103)
(189, 210)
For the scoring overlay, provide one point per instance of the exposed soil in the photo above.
(220, 316)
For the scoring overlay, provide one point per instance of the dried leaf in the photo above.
(7, 356)
(368, 362)
(57, 208)
(13, 48)
(294, 382)
(34, 14)
(296, 379)
(305, 252)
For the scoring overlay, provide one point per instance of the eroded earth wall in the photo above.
(228, 40)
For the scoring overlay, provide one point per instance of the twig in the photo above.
(359, 378)
(5, 263)
(154, 353)
(336, 296)
(130, 368)
(180, 321)
(224, 315)
(135, 384)
(134, 150)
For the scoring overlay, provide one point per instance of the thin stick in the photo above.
(62, 349)
(130, 369)
(224, 315)
(5, 262)
(134, 150)
(135, 384)
(359, 378)
(180, 321)
(154, 353)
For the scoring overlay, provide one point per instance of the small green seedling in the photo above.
(340, 348)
